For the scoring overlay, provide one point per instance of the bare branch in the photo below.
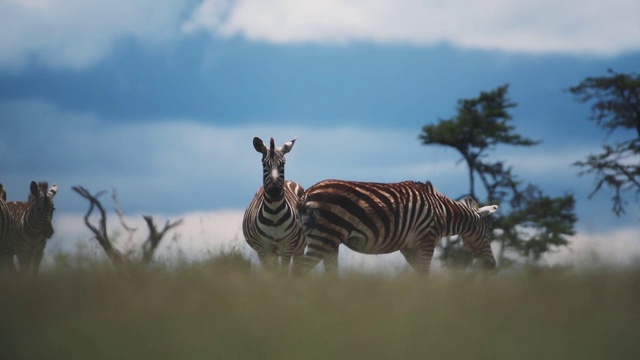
(100, 234)
(130, 230)
(120, 213)
(155, 236)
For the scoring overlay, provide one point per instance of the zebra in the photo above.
(31, 225)
(270, 224)
(6, 256)
(380, 218)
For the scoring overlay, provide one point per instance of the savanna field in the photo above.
(222, 308)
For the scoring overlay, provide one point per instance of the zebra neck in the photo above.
(457, 218)
(273, 207)
(34, 222)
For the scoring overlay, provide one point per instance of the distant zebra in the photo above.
(376, 218)
(6, 255)
(31, 225)
(270, 225)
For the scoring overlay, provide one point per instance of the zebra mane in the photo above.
(470, 202)
(429, 186)
(482, 211)
(272, 148)
(432, 189)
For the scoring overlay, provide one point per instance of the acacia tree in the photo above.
(531, 223)
(615, 105)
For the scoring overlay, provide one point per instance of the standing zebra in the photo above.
(6, 256)
(31, 225)
(270, 225)
(376, 218)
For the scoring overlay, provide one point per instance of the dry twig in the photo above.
(149, 246)
(100, 233)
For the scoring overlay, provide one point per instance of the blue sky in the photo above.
(161, 99)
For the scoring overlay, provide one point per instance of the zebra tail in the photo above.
(306, 215)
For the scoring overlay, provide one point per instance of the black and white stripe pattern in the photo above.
(270, 225)
(6, 255)
(376, 218)
(31, 225)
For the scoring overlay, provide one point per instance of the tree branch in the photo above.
(130, 230)
(155, 236)
(100, 234)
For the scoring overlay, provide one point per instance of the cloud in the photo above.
(177, 165)
(173, 166)
(201, 234)
(79, 33)
(617, 247)
(569, 26)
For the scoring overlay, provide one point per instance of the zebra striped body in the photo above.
(271, 226)
(376, 218)
(6, 255)
(31, 225)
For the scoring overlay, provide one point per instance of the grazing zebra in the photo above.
(376, 218)
(6, 256)
(270, 225)
(31, 225)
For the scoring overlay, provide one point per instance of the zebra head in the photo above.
(479, 240)
(42, 202)
(273, 165)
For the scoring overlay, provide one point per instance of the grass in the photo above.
(222, 309)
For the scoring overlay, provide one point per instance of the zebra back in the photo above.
(377, 218)
(270, 224)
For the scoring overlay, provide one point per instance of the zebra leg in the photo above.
(296, 263)
(285, 260)
(36, 258)
(331, 262)
(419, 257)
(481, 251)
(6, 263)
(6, 255)
(24, 262)
(268, 261)
(317, 250)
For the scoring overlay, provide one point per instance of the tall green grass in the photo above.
(222, 309)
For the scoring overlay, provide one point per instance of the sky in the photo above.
(161, 99)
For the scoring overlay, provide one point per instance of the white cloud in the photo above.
(569, 26)
(617, 247)
(78, 33)
(200, 236)
(189, 165)
(174, 166)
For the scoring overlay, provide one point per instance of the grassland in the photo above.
(221, 309)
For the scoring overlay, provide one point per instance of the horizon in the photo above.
(160, 100)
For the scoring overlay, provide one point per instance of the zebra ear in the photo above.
(3, 193)
(487, 210)
(35, 190)
(53, 191)
(288, 145)
(259, 146)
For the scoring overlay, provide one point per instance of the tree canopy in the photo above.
(615, 105)
(482, 123)
(531, 223)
